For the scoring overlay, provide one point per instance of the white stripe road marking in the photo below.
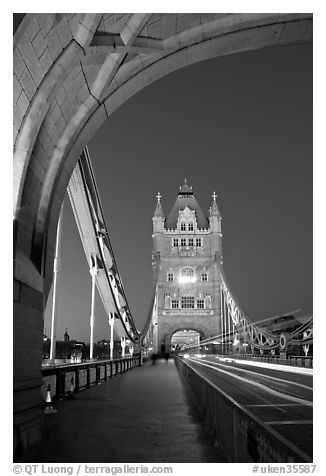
(261, 375)
(290, 422)
(259, 385)
(279, 405)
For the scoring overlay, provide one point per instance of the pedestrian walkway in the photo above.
(145, 415)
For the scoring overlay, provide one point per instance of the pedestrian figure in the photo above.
(153, 357)
(166, 356)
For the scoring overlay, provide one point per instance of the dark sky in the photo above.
(240, 125)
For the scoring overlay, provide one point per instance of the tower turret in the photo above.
(158, 218)
(215, 227)
(215, 216)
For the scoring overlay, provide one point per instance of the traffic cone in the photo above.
(71, 395)
(48, 406)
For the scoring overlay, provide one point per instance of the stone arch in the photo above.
(68, 80)
(195, 326)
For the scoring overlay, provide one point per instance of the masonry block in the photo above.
(74, 22)
(19, 63)
(198, 52)
(46, 21)
(23, 102)
(39, 44)
(194, 19)
(31, 298)
(155, 29)
(28, 84)
(53, 42)
(169, 25)
(32, 29)
(294, 31)
(64, 32)
(19, 310)
(182, 22)
(46, 60)
(17, 89)
(16, 291)
(31, 60)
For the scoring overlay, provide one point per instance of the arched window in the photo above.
(187, 272)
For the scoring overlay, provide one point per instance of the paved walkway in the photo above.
(145, 415)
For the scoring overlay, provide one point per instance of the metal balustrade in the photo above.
(243, 436)
(72, 378)
(294, 360)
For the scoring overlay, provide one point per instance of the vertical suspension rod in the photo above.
(56, 266)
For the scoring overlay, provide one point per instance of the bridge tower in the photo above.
(187, 254)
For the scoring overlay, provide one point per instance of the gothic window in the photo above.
(183, 226)
(190, 226)
(175, 304)
(208, 301)
(183, 242)
(187, 272)
(198, 241)
(167, 304)
(170, 277)
(200, 304)
(204, 277)
(191, 242)
(188, 302)
(175, 242)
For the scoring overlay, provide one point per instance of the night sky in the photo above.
(240, 125)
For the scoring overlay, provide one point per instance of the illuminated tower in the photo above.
(187, 254)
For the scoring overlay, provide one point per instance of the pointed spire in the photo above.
(213, 210)
(159, 210)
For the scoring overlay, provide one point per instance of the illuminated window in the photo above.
(175, 304)
(183, 242)
(198, 241)
(190, 226)
(200, 304)
(187, 272)
(175, 242)
(188, 302)
(191, 242)
(183, 226)
(170, 277)
(204, 277)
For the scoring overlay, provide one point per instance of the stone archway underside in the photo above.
(71, 72)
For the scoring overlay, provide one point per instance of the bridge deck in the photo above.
(145, 415)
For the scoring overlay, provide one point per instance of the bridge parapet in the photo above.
(293, 360)
(72, 378)
(244, 437)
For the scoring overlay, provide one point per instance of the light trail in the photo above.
(256, 384)
(252, 372)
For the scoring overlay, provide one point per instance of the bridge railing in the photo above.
(294, 360)
(68, 379)
(244, 437)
